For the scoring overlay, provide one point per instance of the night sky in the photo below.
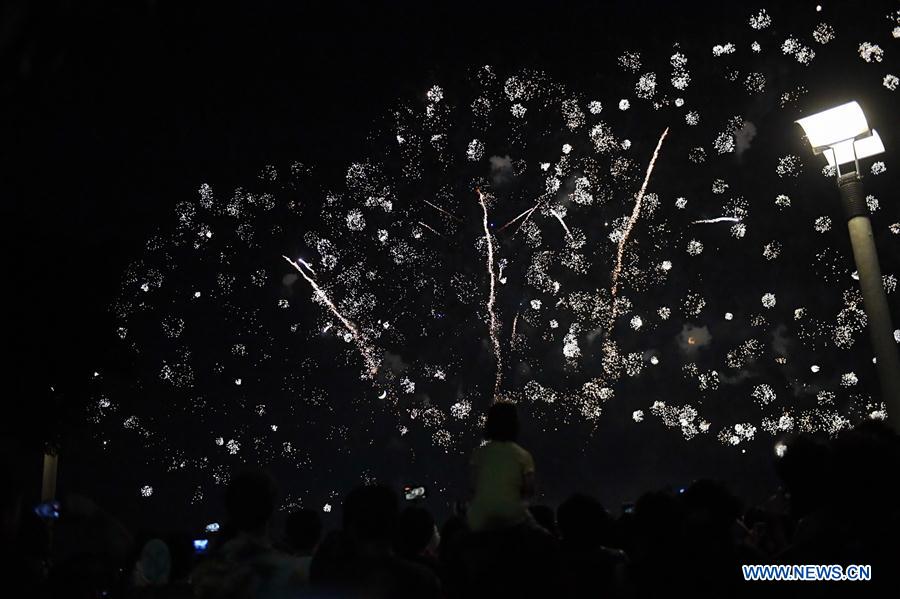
(114, 117)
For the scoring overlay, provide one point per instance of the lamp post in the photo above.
(48, 480)
(843, 136)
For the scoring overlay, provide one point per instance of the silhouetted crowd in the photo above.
(838, 504)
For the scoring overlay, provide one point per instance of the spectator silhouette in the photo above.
(154, 566)
(24, 538)
(508, 553)
(585, 528)
(181, 550)
(768, 532)
(360, 561)
(247, 565)
(418, 538)
(303, 530)
(502, 474)
(851, 515)
(711, 549)
(656, 547)
(841, 505)
(454, 534)
(91, 549)
(159, 571)
(804, 470)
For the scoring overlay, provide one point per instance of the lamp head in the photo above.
(842, 134)
(843, 152)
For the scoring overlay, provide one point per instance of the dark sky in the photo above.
(112, 114)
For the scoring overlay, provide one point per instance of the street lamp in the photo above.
(843, 136)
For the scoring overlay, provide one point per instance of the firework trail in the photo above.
(562, 222)
(494, 323)
(307, 265)
(529, 211)
(364, 348)
(527, 214)
(719, 219)
(635, 213)
(429, 228)
(439, 209)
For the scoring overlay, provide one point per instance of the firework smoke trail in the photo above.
(719, 219)
(492, 296)
(364, 349)
(635, 213)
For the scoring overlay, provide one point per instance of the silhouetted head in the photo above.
(502, 422)
(250, 500)
(303, 529)
(583, 521)
(807, 473)
(878, 429)
(711, 505)
(154, 565)
(181, 549)
(415, 530)
(863, 460)
(453, 532)
(370, 514)
(658, 521)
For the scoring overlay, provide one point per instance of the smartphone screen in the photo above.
(49, 510)
(201, 545)
(411, 493)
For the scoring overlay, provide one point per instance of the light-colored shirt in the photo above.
(303, 564)
(498, 470)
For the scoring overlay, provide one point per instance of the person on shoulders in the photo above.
(502, 474)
